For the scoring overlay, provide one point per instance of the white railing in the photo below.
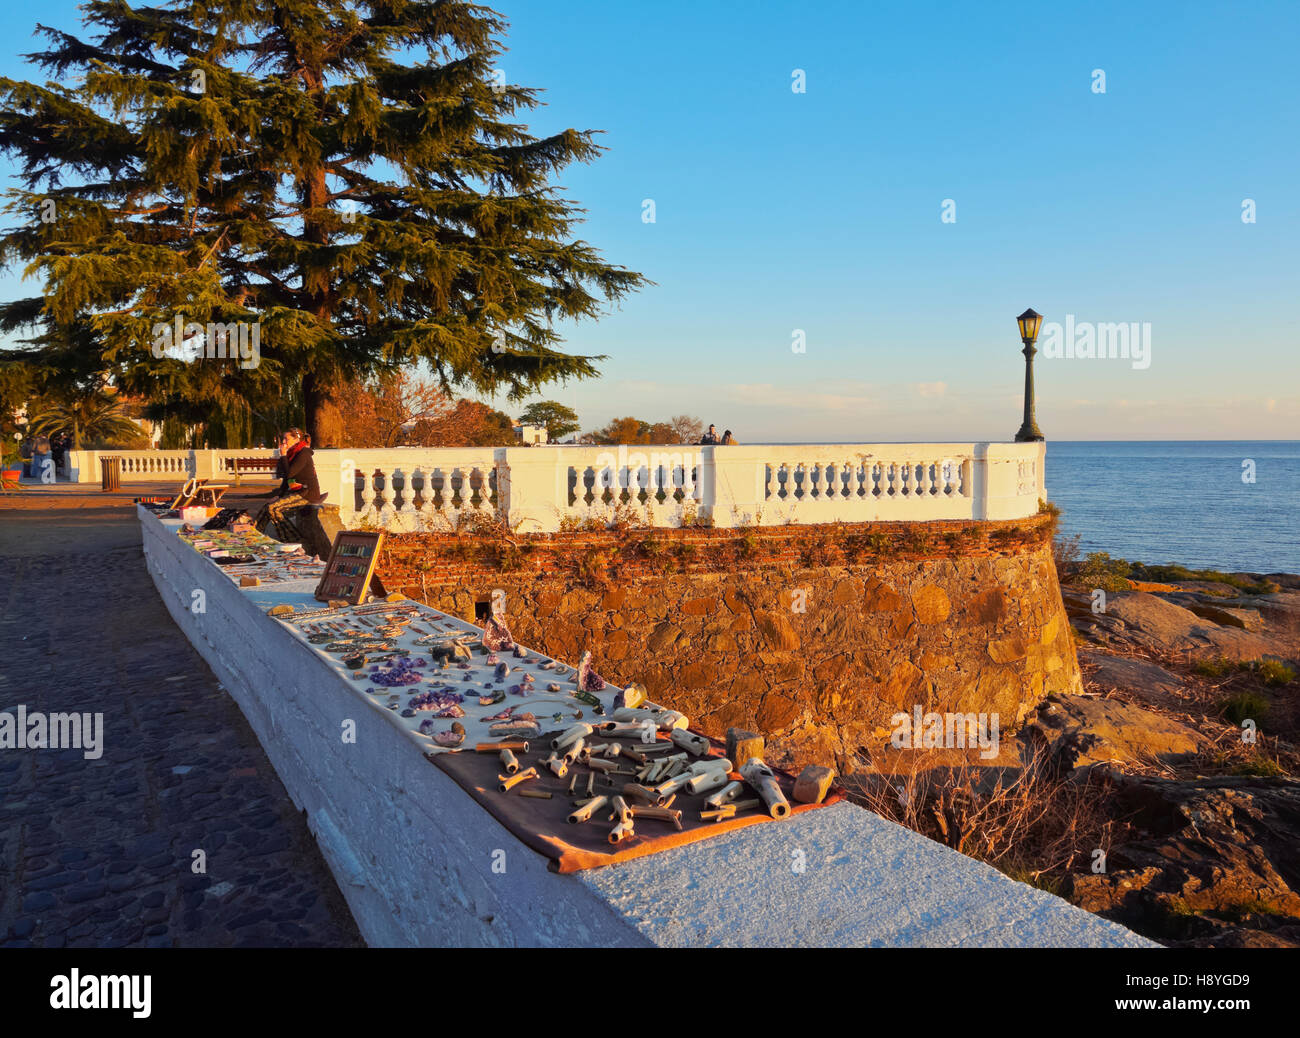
(549, 488)
(411, 488)
(552, 487)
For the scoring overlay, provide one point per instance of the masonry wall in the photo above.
(813, 636)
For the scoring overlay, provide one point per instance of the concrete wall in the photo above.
(413, 853)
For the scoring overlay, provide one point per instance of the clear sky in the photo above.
(822, 211)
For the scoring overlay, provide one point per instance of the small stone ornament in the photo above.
(588, 680)
(496, 635)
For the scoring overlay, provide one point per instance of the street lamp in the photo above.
(1029, 323)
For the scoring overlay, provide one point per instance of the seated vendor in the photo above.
(298, 488)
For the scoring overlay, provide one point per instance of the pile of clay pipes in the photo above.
(658, 779)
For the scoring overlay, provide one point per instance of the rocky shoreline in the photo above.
(1192, 708)
(1166, 795)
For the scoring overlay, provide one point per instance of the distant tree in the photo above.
(469, 423)
(661, 432)
(558, 419)
(386, 410)
(686, 429)
(624, 430)
(90, 418)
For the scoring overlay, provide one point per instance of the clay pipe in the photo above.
(689, 741)
(518, 745)
(574, 751)
(578, 731)
(661, 814)
(621, 832)
(706, 782)
(509, 763)
(620, 728)
(584, 812)
(761, 778)
(559, 767)
(728, 792)
(638, 792)
(620, 812)
(508, 783)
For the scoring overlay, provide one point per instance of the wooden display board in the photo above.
(351, 566)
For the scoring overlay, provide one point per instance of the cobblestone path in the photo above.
(99, 853)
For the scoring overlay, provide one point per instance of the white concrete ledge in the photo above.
(414, 854)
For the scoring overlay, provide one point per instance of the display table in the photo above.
(421, 863)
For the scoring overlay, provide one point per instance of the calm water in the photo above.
(1182, 501)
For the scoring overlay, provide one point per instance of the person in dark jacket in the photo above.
(298, 487)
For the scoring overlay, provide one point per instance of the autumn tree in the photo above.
(686, 429)
(681, 429)
(349, 176)
(384, 410)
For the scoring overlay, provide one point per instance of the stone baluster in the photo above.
(426, 509)
(367, 473)
(388, 494)
(408, 491)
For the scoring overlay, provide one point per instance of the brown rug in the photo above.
(543, 824)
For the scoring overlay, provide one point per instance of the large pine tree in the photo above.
(349, 174)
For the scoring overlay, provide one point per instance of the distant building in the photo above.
(530, 435)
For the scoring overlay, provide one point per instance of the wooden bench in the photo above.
(240, 466)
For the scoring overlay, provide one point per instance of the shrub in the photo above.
(1065, 555)
(1242, 706)
(1261, 766)
(1217, 668)
(1272, 672)
(1099, 570)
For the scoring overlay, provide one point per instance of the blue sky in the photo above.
(821, 211)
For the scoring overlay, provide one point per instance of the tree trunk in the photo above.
(324, 419)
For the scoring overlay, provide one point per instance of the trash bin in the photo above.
(111, 473)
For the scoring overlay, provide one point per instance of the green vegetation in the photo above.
(1243, 706)
(1172, 573)
(1273, 673)
(1260, 766)
(353, 179)
(1217, 668)
(558, 420)
(1099, 570)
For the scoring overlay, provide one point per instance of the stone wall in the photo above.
(813, 636)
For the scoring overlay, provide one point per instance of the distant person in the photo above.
(42, 463)
(727, 439)
(710, 438)
(59, 449)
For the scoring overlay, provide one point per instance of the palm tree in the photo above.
(95, 416)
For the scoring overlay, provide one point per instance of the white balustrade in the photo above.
(554, 487)
(410, 488)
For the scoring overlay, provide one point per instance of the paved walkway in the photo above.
(99, 853)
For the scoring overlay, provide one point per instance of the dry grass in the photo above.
(1027, 822)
